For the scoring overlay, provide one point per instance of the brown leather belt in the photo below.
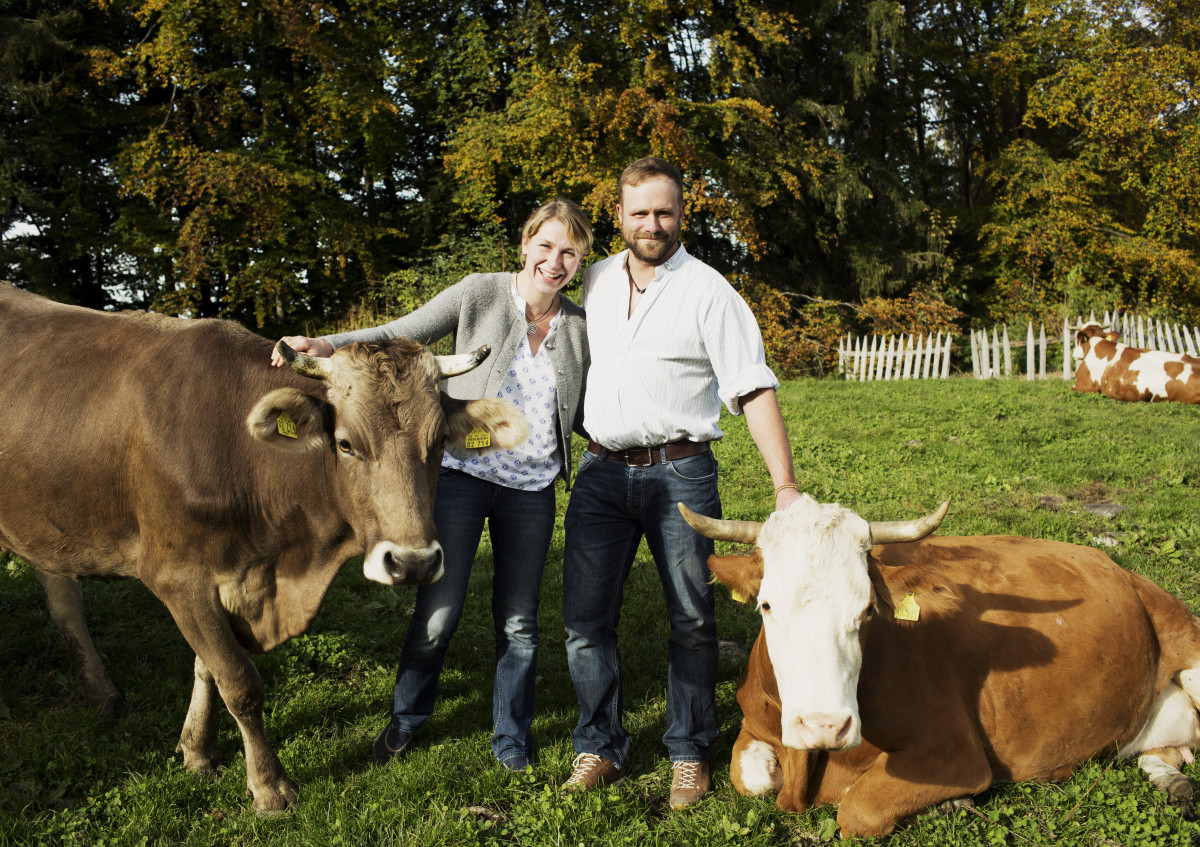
(641, 457)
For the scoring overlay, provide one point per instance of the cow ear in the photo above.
(742, 575)
(288, 419)
(500, 420)
(1113, 336)
(882, 601)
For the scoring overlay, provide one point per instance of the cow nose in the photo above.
(392, 564)
(415, 567)
(823, 731)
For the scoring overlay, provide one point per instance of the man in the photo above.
(670, 341)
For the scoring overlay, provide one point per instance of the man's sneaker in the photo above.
(689, 784)
(390, 744)
(590, 771)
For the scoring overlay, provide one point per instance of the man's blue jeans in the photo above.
(612, 506)
(520, 524)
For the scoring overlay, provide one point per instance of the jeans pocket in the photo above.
(586, 460)
(700, 468)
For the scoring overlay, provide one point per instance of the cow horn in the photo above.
(462, 363)
(304, 364)
(721, 530)
(893, 532)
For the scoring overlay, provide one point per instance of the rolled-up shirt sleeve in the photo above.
(735, 348)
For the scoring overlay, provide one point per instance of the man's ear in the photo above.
(742, 575)
(288, 419)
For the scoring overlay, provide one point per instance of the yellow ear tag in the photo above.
(907, 609)
(478, 437)
(285, 426)
(738, 597)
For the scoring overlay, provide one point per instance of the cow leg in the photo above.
(1164, 768)
(905, 782)
(208, 632)
(64, 599)
(755, 767)
(198, 741)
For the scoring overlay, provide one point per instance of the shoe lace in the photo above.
(687, 774)
(584, 764)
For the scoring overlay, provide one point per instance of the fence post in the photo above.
(1187, 337)
(1007, 354)
(946, 356)
(1066, 349)
(1042, 353)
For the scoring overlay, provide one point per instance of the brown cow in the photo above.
(986, 660)
(171, 451)
(1131, 373)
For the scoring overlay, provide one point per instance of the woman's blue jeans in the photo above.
(520, 524)
(612, 506)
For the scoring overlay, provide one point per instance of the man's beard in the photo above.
(651, 249)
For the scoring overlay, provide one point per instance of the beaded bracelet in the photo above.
(786, 485)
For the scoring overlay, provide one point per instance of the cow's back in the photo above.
(123, 424)
(1050, 657)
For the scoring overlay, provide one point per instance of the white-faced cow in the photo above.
(170, 451)
(894, 673)
(1131, 373)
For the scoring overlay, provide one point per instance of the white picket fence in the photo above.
(992, 357)
(894, 357)
(992, 352)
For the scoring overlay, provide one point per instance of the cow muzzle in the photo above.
(822, 731)
(392, 564)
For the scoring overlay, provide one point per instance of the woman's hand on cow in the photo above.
(303, 344)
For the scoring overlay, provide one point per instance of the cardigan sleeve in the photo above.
(437, 318)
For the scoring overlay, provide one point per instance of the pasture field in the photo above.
(996, 450)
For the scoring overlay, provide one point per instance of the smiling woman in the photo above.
(541, 345)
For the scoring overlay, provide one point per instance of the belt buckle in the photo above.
(630, 456)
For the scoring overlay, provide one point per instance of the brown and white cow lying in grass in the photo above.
(896, 671)
(1131, 373)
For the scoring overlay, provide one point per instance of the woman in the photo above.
(542, 337)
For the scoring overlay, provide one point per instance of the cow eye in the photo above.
(766, 607)
(344, 447)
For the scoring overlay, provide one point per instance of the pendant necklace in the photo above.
(531, 325)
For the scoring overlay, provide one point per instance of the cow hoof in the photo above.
(202, 764)
(1178, 789)
(274, 799)
(948, 806)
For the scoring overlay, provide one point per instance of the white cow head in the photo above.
(815, 589)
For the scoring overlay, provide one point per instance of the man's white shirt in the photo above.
(661, 374)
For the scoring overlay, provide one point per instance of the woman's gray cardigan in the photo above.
(480, 310)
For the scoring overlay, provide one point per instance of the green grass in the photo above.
(887, 450)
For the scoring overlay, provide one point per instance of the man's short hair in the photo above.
(649, 168)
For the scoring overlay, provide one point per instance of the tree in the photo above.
(1100, 205)
(59, 132)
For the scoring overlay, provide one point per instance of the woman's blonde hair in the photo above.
(573, 218)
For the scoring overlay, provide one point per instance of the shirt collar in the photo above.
(670, 265)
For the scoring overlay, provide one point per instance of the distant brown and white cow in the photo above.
(171, 451)
(1131, 373)
(894, 673)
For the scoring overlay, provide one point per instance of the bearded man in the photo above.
(670, 341)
